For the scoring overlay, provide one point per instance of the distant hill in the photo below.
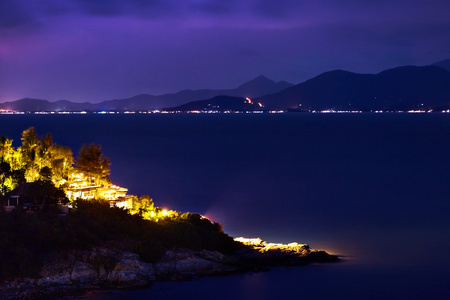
(218, 103)
(257, 87)
(445, 64)
(33, 105)
(400, 88)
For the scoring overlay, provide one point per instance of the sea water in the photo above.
(373, 188)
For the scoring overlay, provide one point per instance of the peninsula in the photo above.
(65, 228)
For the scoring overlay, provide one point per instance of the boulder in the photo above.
(130, 271)
(187, 262)
(100, 265)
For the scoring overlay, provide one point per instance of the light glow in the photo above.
(263, 246)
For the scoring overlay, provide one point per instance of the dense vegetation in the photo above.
(26, 237)
(40, 159)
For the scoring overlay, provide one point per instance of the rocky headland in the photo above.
(104, 241)
(72, 272)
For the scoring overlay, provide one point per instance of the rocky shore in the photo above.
(105, 268)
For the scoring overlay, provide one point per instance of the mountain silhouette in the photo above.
(401, 88)
(445, 64)
(34, 105)
(257, 87)
(218, 103)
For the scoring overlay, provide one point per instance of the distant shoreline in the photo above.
(218, 112)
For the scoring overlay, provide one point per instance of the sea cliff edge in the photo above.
(103, 267)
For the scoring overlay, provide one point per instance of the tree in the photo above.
(6, 149)
(43, 151)
(90, 161)
(36, 159)
(5, 174)
(28, 154)
(61, 163)
(46, 194)
(143, 206)
(46, 174)
(29, 138)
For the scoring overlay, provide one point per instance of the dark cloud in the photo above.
(281, 8)
(16, 13)
(101, 7)
(100, 49)
(13, 14)
(214, 7)
(118, 7)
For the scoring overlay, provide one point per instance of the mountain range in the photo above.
(259, 86)
(402, 88)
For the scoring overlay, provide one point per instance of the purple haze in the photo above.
(83, 50)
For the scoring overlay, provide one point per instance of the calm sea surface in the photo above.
(374, 188)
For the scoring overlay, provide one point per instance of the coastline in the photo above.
(106, 268)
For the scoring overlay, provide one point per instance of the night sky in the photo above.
(86, 50)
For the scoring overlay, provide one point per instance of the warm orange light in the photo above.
(263, 246)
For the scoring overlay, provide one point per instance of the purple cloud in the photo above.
(86, 50)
